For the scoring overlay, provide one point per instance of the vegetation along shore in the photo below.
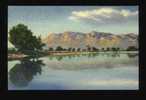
(28, 45)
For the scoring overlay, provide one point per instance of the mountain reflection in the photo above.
(21, 74)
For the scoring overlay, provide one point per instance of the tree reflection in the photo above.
(89, 55)
(69, 57)
(132, 55)
(92, 55)
(115, 55)
(21, 74)
(59, 58)
(51, 57)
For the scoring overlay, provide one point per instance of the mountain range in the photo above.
(70, 39)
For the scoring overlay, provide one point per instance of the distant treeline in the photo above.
(88, 49)
(59, 48)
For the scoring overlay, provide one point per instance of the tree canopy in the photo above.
(59, 48)
(132, 48)
(24, 40)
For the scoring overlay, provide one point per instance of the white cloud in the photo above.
(104, 15)
(72, 18)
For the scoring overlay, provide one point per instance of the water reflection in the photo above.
(21, 74)
(91, 55)
(99, 65)
(59, 58)
(132, 55)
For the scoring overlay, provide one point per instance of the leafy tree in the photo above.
(102, 49)
(94, 49)
(59, 48)
(73, 49)
(108, 49)
(50, 49)
(88, 48)
(113, 49)
(22, 38)
(64, 49)
(78, 49)
(69, 49)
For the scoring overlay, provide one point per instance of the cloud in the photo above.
(104, 15)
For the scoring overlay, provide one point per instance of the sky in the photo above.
(45, 19)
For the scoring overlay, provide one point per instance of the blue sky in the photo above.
(44, 19)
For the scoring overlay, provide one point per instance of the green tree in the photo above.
(69, 49)
(78, 49)
(88, 48)
(102, 49)
(116, 49)
(113, 49)
(24, 40)
(73, 49)
(107, 49)
(50, 49)
(59, 48)
(94, 49)
(64, 49)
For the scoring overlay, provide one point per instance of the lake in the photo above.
(94, 71)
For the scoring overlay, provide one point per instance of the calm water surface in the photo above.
(97, 71)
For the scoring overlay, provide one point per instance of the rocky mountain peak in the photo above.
(93, 38)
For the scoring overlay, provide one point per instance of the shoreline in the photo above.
(16, 56)
(21, 56)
